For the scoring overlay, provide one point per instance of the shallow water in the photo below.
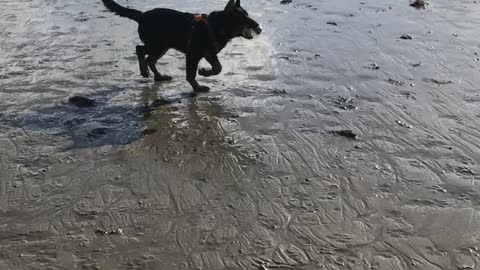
(249, 176)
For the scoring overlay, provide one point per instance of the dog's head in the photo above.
(240, 24)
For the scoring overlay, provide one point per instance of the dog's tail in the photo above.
(123, 11)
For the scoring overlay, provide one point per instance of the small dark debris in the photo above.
(407, 37)
(439, 82)
(349, 107)
(405, 125)
(284, 2)
(419, 4)
(346, 100)
(203, 179)
(81, 19)
(332, 23)
(80, 101)
(395, 82)
(345, 103)
(465, 171)
(374, 66)
(346, 133)
(279, 91)
(115, 232)
(419, 64)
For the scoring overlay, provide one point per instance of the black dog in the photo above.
(198, 36)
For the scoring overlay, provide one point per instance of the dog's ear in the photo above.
(230, 6)
(238, 3)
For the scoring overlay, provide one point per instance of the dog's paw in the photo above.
(202, 89)
(145, 74)
(204, 72)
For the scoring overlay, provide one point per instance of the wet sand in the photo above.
(253, 174)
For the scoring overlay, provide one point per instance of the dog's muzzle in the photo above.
(249, 33)
(258, 30)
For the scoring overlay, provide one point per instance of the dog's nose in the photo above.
(258, 30)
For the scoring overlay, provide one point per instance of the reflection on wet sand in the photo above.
(188, 133)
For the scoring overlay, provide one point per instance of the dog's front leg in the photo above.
(216, 67)
(192, 65)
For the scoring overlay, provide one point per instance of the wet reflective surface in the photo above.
(250, 175)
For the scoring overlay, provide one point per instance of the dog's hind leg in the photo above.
(141, 52)
(152, 61)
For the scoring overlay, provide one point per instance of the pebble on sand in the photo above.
(419, 4)
(346, 133)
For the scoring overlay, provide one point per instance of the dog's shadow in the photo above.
(105, 123)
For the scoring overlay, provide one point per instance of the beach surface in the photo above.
(345, 136)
